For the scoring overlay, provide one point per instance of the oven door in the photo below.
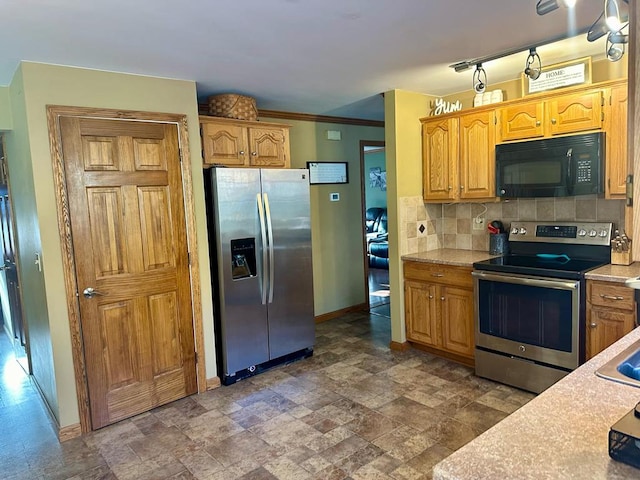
(533, 318)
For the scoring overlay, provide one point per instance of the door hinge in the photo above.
(629, 191)
(602, 116)
(180, 154)
(189, 258)
(195, 354)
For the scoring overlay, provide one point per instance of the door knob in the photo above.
(90, 292)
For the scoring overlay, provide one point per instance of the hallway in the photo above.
(355, 410)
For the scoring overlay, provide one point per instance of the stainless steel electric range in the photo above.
(530, 304)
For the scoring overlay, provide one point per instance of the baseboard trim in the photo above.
(469, 362)
(213, 383)
(69, 432)
(338, 313)
(399, 346)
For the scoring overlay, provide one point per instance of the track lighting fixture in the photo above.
(612, 15)
(479, 79)
(531, 70)
(545, 6)
(615, 45)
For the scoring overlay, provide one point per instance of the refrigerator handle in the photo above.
(263, 235)
(270, 239)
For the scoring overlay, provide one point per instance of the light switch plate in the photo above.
(334, 197)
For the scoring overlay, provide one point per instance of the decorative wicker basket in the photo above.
(233, 105)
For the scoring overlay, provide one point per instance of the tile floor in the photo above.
(355, 410)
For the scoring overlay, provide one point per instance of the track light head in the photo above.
(532, 70)
(615, 46)
(545, 6)
(479, 79)
(612, 15)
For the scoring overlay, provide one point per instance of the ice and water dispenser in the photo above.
(243, 258)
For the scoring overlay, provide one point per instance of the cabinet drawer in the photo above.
(438, 273)
(610, 295)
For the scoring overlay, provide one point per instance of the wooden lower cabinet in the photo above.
(611, 314)
(439, 309)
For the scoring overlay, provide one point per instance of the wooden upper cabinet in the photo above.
(477, 144)
(440, 158)
(575, 113)
(224, 144)
(556, 115)
(269, 147)
(524, 120)
(239, 143)
(615, 126)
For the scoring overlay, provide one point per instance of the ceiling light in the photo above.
(530, 70)
(461, 66)
(479, 79)
(545, 6)
(612, 15)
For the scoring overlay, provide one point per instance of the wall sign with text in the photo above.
(559, 75)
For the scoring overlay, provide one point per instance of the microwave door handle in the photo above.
(569, 161)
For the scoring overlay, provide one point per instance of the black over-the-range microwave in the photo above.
(554, 167)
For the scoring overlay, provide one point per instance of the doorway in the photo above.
(374, 221)
(10, 298)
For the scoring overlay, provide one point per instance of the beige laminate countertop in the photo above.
(615, 273)
(560, 434)
(449, 256)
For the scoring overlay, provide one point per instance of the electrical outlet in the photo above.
(478, 223)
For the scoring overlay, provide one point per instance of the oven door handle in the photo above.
(529, 281)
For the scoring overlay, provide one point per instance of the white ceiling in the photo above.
(328, 57)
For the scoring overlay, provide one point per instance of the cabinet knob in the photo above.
(537, 123)
(553, 121)
(449, 187)
(438, 275)
(461, 187)
(442, 298)
(255, 154)
(593, 325)
(430, 296)
(241, 152)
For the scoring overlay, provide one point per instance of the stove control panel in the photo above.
(586, 233)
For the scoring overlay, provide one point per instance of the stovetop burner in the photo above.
(553, 249)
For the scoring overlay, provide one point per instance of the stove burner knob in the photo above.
(582, 232)
(514, 230)
(593, 233)
(523, 231)
(522, 348)
(603, 233)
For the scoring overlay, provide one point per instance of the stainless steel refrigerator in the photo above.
(260, 248)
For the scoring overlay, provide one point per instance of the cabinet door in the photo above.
(457, 320)
(477, 155)
(605, 326)
(524, 120)
(268, 147)
(224, 144)
(575, 113)
(616, 143)
(420, 312)
(440, 159)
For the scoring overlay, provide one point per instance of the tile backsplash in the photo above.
(425, 227)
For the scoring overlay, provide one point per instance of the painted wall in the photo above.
(33, 87)
(374, 195)
(403, 139)
(6, 119)
(337, 242)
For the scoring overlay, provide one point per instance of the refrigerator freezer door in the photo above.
(290, 312)
(241, 315)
